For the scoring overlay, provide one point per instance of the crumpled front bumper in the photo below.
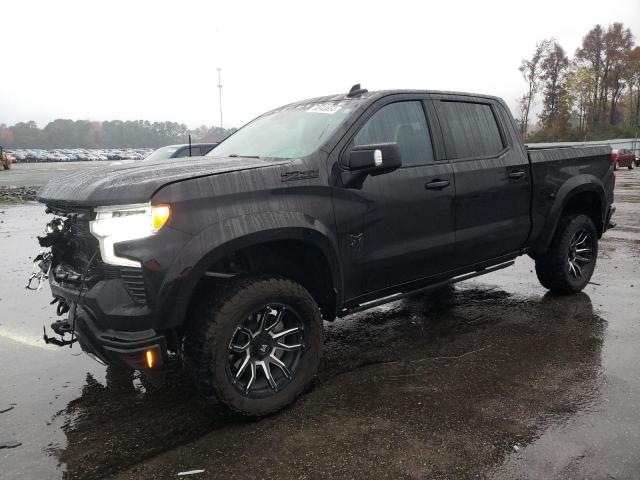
(110, 327)
(113, 347)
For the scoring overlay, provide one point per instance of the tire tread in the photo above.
(209, 320)
(550, 267)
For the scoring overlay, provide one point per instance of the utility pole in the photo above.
(220, 94)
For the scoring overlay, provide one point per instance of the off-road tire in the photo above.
(214, 324)
(552, 268)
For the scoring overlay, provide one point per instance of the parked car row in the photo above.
(77, 154)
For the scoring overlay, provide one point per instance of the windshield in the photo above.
(162, 153)
(290, 132)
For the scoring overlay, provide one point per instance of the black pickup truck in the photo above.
(318, 209)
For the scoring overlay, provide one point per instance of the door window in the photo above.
(403, 123)
(470, 129)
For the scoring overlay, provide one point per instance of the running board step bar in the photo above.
(444, 283)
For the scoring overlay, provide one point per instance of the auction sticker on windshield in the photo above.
(325, 108)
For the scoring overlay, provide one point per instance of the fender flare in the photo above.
(569, 189)
(222, 238)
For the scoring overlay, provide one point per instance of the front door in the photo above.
(399, 226)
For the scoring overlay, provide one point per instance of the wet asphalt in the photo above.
(494, 378)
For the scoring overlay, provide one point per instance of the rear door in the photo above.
(395, 228)
(492, 178)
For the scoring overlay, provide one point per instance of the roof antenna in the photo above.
(356, 91)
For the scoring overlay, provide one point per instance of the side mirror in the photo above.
(375, 159)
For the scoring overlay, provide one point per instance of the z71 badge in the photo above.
(297, 175)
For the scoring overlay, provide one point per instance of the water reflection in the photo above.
(469, 370)
(118, 424)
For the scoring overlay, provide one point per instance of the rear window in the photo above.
(162, 153)
(470, 129)
(195, 152)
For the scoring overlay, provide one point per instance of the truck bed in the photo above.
(553, 167)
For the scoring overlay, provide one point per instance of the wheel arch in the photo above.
(579, 194)
(266, 236)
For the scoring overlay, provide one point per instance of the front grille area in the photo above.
(77, 253)
(134, 283)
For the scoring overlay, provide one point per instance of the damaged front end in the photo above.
(105, 305)
(41, 269)
(68, 253)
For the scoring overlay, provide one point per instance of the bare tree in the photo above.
(618, 43)
(580, 84)
(591, 56)
(521, 113)
(554, 66)
(606, 54)
(531, 71)
(633, 79)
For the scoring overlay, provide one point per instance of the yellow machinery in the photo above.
(4, 159)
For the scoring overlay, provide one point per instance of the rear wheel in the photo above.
(255, 344)
(615, 166)
(569, 263)
(632, 166)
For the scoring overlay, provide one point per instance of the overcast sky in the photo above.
(156, 60)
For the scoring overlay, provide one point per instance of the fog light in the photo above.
(150, 356)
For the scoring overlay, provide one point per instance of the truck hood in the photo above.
(121, 183)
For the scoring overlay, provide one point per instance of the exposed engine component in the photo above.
(41, 269)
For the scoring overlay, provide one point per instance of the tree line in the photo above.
(62, 133)
(594, 96)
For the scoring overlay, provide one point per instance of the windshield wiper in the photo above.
(235, 155)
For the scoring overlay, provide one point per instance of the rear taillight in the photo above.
(614, 156)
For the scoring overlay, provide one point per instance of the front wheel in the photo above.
(569, 262)
(255, 345)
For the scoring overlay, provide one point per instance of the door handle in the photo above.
(437, 185)
(516, 174)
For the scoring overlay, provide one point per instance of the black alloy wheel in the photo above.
(265, 351)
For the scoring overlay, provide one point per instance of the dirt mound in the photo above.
(11, 194)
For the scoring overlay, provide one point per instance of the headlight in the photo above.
(126, 222)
